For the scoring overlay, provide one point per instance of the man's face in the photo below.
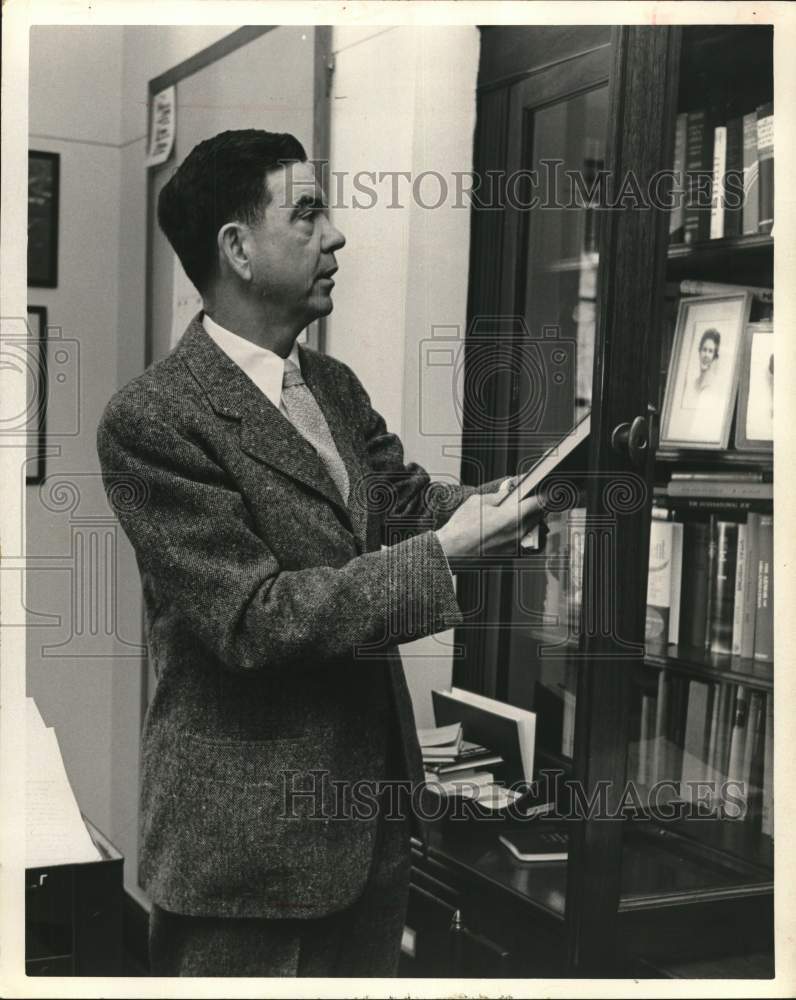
(707, 354)
(294, 246)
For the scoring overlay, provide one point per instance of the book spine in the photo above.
(767, 804)
(719, 506)
(741, 489)
(750, 587)
(676, 582)
(723, 588)
(690, 286)
(694, 601)
(740, 588)
(751, 175)
(717, 477)
(695, 739)
(765, 158)
(711, 571)
(738, 725)
(698, 165)
(733, 178)
(659, 581)
(753, 747)
(678, 185)
(717, 184)
(764, 618)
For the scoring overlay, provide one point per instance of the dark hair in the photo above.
(220, 180)
(713, 335)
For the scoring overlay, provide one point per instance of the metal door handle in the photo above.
(632, 440)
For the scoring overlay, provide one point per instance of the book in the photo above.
(548, 463)
(749, 610)
(678, 181)
(699, 172)
(711, 572)
(539, 841)
(467, 783)
(733, 178)
(718, 477)
(509, 730)
(694, 595)
(765, 159)
(742, 489)
(717, 184)
(466, 764)
(740, 592)
(751, 766)
(695, 739)
(767, 798)
(751, 176)
(738, 733)
(722, 600)
(663, 582)
(764, 615)
(695, 287)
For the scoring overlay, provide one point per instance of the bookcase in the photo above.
(599, 297)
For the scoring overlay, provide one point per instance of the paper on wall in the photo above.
(162, 127)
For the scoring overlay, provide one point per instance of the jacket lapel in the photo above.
(265, 433)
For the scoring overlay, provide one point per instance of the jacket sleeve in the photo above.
(201, 559)
(408, 499)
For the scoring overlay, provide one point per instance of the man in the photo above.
(267, 484)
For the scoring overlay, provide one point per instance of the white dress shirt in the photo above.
(263, 367)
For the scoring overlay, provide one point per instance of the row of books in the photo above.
(692, 731)
(711, 582)
(723, 175)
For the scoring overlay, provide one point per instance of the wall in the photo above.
(404, 270)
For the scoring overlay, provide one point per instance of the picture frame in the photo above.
(702, 382)
(754, 424)
(44, 171)
(36, 395)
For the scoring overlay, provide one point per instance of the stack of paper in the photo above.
(442, 743)
(55, 833)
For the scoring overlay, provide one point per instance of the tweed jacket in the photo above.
(272, 611)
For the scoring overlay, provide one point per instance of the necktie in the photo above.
(302, 410)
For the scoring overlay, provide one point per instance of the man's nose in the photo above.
(333, 239)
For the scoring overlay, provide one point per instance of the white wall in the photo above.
(403, 99)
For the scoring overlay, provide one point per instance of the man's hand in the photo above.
(485, 525)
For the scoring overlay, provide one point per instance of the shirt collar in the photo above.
(265, 368)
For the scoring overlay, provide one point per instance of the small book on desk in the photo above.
(542, 841)
(508, 731)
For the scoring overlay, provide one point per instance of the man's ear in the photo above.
(233, 248)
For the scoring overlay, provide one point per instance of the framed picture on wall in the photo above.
(34, 361)
(43, 190)
(702, 383)
(754, 428)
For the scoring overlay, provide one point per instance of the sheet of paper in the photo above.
(439, 736)
(54, 829)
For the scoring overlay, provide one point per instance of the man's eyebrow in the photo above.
(308, 201)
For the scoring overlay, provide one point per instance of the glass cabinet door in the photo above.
(700, 741)
(525, 624)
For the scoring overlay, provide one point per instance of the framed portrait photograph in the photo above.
(34, 360)
(702, 383)
(43, 189)
(754, 427)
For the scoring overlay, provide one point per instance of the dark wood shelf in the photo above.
(729, 458)
(714, 666)
(736, 260)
